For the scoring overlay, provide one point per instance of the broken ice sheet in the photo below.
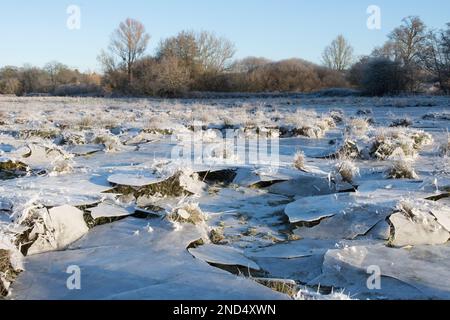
(349, 224)
(419, 222)
(293, 249)
(152, 265)
(311, 209)
(408, 232)
(73, 189)
(223, 255)
(63, 226)
(385, 191)
(421, 272)
(110, 210)
(85, 149)
(134, 180)
(41, 156)
(309, 185)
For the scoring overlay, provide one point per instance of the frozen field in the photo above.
(310, 198)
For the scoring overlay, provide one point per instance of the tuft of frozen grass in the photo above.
(337, 115)
(403, 122)
(11, 263)
(187, 213)
(402, 169)
(110, 142)
(348, 150)
(305, 294)
(387, 141)
(217, 236)
(85, 123)
(358, 127)
(309, 124)
(347, 170)
(287, 287)
(62, 165)
(299, 161)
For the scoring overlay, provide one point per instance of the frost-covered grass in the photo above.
(347, 171)
(402, 169)
(300, 161)
(392, 142)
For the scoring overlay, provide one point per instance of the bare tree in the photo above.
(338, 55)
(214, 52)
(408, 40)
(53, 68)
(184, 47)
(436, 56)
(129, 43)
(200, 52)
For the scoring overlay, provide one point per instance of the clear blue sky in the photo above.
(35, 32)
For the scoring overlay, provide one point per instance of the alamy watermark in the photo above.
(73, 282)
(74, 17)
(374, 20)
(374, 280)
(253, 147)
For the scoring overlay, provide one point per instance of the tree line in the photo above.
(412, 58)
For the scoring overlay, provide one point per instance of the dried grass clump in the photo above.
(337, 116)
(308, 131)
(62, 165)
(326, 123)
(40, 133)
(348, 150)
(8, 272)
(160, 124)
(3, 118)
(107, 123)
(358, 126)
(387, 142)
(308, 124)
(187, 213)
(85, 123)
(309, 295)
(10, 169)
(282, 286)
(402, 169)
(217, 236)
(421, 139)
(299, 161)
(347, 170)
(70, 138)
(406, 207)
(110, 142)
(405, 122)
(251, 232)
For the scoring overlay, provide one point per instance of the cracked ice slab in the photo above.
(134, 265)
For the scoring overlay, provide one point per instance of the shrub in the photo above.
(402, 169)
(382, 77)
